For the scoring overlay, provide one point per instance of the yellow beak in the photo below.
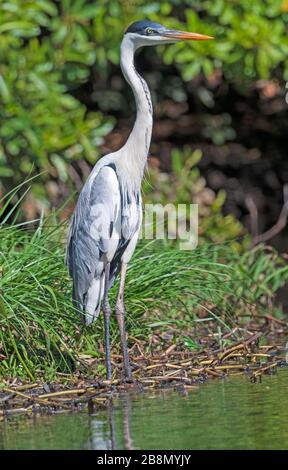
(182, 35)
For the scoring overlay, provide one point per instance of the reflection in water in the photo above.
(220, 414)
(128, 443)
(111, 417)
(100, 439)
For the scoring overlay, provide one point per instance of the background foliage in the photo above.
(59, 77)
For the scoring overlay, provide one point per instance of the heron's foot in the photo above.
(126, 364)
(128, 377)
(129, 380)
(127, 374)
(108, 374)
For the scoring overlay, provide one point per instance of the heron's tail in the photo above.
(93, 300)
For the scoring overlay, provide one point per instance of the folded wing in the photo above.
(93, 239)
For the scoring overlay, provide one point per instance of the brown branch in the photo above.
(253, 211)
(280, 224)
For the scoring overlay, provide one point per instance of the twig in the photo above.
(252, 208)
(27, 397)
(280, 224)
(64, 392)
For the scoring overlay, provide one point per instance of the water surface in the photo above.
(221, 414)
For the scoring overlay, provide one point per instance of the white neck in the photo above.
(137, 146)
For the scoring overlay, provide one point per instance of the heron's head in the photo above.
(147, 33)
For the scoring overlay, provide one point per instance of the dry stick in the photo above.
(111, 382)
(189, 363)
(27, 397)
(233, 354)
(169, 350)
(213, 372)
(152, 366)
(25, 387)
(173, 366)
(116, 356)
(167, 378)
(140, 358)
(206, 362)
(263, 369)
(140, 351)
(197, 371)
(276, 320)
(247, 355)
(170, 374)
(253, 211)
(233, 349)
(231, 366)
(64, 392)
(35, 399)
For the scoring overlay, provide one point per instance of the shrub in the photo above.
(49, 50)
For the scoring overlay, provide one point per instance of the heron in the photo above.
(107, 218)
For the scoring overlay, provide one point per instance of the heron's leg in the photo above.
(107, 313)
(120, 315)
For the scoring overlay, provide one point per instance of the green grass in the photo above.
(41, 333)
(168, 291)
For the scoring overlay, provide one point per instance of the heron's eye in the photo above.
(149, 31)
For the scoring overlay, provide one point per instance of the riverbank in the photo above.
(180, 306)
(262, 351)
(232, 413)
(173, 298)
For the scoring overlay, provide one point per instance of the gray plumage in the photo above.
(100, 231)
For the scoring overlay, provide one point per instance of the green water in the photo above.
(221, 414)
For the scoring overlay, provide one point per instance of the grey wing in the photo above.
(93, 239)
